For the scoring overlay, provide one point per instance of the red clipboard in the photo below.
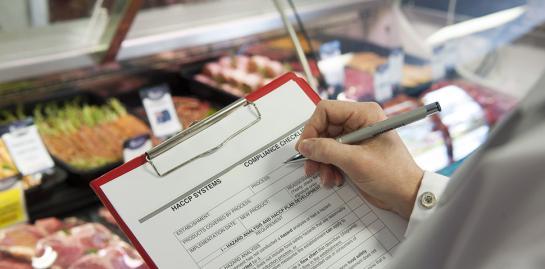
(141, 160)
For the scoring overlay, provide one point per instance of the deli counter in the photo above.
(77, 76)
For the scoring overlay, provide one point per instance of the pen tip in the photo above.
(438, 106)
(433, 107)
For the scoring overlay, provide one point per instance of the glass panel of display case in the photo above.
(36, 31)
(407, 53)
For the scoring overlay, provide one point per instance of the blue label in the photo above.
(136, 142)
(155, 92)
(13, 127)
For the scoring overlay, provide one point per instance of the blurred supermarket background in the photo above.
(77, 73)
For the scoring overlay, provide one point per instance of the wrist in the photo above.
(408, 196)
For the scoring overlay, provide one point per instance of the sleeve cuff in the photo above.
(431, 188)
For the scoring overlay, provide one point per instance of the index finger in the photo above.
(348, 116)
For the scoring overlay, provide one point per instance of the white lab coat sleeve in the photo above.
(431, 182)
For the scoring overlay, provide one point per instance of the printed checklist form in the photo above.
(239, 206)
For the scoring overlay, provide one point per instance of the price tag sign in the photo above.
(382, 82)
(136, 146)
(438, 68)
(26, 147)
(444, 58)
(160, 110)
(12, 203)
(396, 60)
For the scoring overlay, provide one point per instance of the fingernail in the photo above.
(338, 180)
(305, 147)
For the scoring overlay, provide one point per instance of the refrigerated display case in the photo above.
(401, 54)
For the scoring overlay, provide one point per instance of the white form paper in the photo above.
(242, 208)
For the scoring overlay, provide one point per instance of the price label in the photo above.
(444, 58)
(136, 146)
(382, 83)
(26, 147)
(12, 203)
(396, 60)
(160, 110)
(332, 65)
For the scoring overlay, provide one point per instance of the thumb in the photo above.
(326, 150)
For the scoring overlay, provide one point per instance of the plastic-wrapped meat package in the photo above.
(360, 76)
(23, 235)
(73, 244)
(118, 255)
(19, 241)
(49, 225)
(464, 117)
(55, 244)
(240, 74)
(494, 103)
(358, 85)
(425, 142)
(7, 262)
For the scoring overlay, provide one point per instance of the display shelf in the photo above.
(66, 200)
(182, 26)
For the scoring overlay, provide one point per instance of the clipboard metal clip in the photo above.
(196, 128)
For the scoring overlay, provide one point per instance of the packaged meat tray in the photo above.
(494, 103)
(82, 132)
(237, 75)
(360, 72)
(365, 58)
(192, 102)
(65, 244)
(469, 110)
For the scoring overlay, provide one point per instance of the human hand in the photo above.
(381, 167)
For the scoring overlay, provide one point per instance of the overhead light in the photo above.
(476, 25)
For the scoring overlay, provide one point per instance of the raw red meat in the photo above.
(118, 255)
(240, 74)
(358, 85)
(21, 235)
(273, 69)
(7, 262)
(106, 215)
(206, 80)
(91, 235)
(75, 243)
(494, 103)
(212, 70)
(89, 245)
(49, 225)
(258, 63)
